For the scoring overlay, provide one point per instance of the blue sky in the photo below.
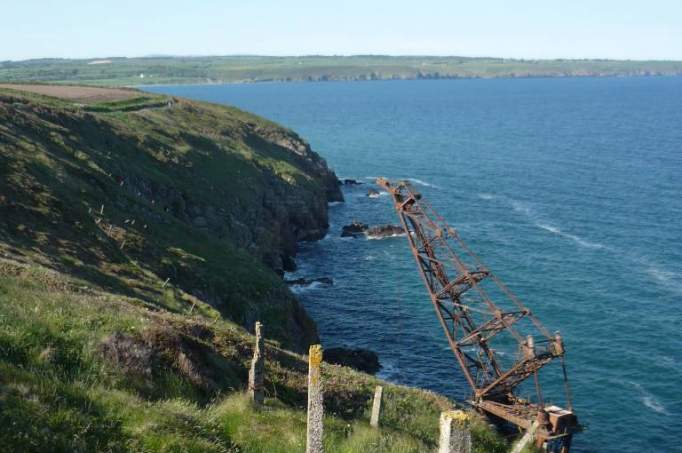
(650, 29)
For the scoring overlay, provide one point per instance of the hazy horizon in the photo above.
(236, 55)
(530, 29)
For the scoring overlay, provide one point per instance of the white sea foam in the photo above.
(334, 203)
(423, 183)
(666, 278)
(521, 206)
(573, 237)
(388, 371)
(376, 238)
(549, 228)
(527, 209)
(661, 275)
(653, 404)
(329, 236)
(649, 400)
(298, 289)
(668, 361)
(486, 196)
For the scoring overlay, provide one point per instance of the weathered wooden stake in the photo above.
(315, 397)
(376, 407)
(165, 283)
(101, 210)
(257, 367)
(455, 436)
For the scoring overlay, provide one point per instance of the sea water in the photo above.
(569, 189)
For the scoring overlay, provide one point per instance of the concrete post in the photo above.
(527, 438)
(455, 436)
(315, 397)
(376, 407)
(257, 369)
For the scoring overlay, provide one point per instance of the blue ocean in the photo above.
(570, 190)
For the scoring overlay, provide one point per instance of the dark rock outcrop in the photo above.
(351, 182)
(355, 229)
(270, 218)
(383, 231)
(356, 358)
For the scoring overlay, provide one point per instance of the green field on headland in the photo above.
(234, 69)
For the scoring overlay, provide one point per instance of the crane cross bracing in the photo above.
(499, 344)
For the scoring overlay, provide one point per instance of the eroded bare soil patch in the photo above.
(76, 93)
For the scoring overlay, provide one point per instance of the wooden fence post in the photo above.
(257, 367)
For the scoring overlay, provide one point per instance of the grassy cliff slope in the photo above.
(88, 370)
(186, 206)
(140, 238)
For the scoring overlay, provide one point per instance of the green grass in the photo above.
(59, 392)
(128, 105)
(123, 321)
(158, 171)
(178, 70)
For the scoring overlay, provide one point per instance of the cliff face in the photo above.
(177, 203)
(266, 209)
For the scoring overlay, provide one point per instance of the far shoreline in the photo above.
(423, 79)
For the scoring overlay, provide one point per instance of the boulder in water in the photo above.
(355, 229)
(351, 182)
(384, 231)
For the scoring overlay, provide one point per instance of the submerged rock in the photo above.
(372, 193)
(352, 182)
(354, 229)
(360, 359)
(357, 229)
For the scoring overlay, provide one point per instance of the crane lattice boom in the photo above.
(498, 344)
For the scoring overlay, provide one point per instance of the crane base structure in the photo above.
(498, 342)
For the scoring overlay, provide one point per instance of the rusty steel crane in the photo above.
(499, 345)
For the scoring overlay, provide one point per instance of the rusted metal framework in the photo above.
(499, 345)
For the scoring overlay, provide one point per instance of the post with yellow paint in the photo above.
(455, 433)
(315, 397)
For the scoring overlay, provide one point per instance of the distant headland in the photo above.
(155, 70)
